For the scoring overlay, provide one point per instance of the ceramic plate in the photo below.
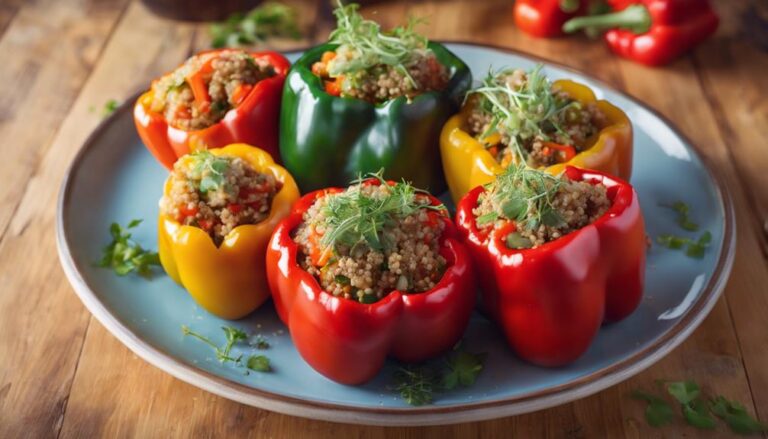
(114, 178)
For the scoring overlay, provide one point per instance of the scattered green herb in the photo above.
(260, 342)
(683, 219)
(259, 363)
(418, 383)
(354, 218)
(694, 249)
(124, 255)
(736, 416)
(233, 335)
(529, 110)
(658, 412)
(372, 47)
(271, 19)
(107, 109)
(695, 409)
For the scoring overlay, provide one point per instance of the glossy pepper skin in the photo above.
(229, 281)
(254, 121)
(348, 341)
(467, 163)
(327, 140)
(653, 32)
(545, 18)
(551, 300)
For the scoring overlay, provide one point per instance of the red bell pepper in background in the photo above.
(551, 300)
(652, 32)
(254, 121)
(348, 341)
(545, 18)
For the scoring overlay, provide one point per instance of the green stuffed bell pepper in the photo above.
(363, 102)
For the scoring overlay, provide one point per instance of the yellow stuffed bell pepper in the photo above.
(467, 164)
(228, 280)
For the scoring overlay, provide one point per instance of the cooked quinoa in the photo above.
(382, 82)
(547, 125)
(378, 66)
(226, 78)
(218, 193)
(541, 208)
(402, 252)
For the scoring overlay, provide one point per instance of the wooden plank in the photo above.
(732, 72)
(47, 52)
(43, 322)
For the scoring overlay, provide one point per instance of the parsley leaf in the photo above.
(658, 412)
(683, 391)
(416, 384)
(736, 416)
(683, 220)
(696, 414)
(259, 363)
(126, 256)
(463, 369)
(694, 249)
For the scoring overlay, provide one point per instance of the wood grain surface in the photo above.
(62, 374)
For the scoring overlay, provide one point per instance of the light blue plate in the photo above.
(114, 178)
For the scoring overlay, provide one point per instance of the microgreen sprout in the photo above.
(368, 46)
(354, 217)
(521, 110)
(209, 169)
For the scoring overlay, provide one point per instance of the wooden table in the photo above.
(62, 374)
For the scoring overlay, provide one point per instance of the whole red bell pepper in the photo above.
(348, 341)
(545, 18)
(652, 32)
(551, 300)
(254, 121)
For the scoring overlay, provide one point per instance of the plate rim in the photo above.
(425, 415)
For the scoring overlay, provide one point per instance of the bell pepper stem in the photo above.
(569, 6)
(635, 18)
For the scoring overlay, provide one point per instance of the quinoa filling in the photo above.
(377, 66)
(369, 240)
(218, 193)
(529, 208)
(519, 115)
(201, 92)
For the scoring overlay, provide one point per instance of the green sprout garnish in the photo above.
(353, 218)
(370, 46)
(524, 112)
(525, 195)
(209, 169)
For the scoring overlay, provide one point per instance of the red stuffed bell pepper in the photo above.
(214, 99)
(550, 289)
(652, 32)
(344, 329)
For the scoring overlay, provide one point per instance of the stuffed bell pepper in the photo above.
(369, 100)
(214, 99)
(556, 255)
(218, 210)
(373, 270)
(516, 116)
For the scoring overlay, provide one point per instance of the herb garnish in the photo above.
(525, 196)
(695, 248)
(124, 255)
(524, 112)
(417, 383)
(697, 411)
(107, 109)
(259, 363)
(260, 342)
(353, 218)
(209, 169)
(369, 46)
(683, 220)
(271, 19)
